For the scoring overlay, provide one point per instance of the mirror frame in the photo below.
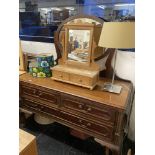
(77, 27)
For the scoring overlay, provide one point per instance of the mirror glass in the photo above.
(78, 45)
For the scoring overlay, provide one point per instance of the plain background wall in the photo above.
(38, 47)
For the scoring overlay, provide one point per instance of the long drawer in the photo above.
(87, 126)
(52, 97)
(82, 107)
(89, 109)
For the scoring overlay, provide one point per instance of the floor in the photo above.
(55, 139)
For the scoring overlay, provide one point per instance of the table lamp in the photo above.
(117, 35)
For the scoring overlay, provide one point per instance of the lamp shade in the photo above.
(118, 35)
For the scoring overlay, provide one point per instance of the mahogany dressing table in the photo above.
(100, 114)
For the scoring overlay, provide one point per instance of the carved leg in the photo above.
(22, 119)
(106, 151)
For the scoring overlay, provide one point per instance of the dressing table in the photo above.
(100, 114)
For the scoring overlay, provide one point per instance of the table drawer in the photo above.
(52, 97)
(88, 109)
(102, 130)
(100, 112)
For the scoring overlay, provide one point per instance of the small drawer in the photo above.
(60, 75)
(80, 79)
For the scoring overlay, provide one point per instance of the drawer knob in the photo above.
(41, 107)
(80, 121)
(80, 106)
(84, 126)
(89, 109)
(34, 105)
(88, 124)
(40, 94)
(34, 91)
(80, 80)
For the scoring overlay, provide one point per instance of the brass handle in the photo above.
(60, 76)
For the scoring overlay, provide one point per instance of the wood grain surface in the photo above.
(113, 100)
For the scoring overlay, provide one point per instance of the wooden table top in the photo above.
(111, 99)
(25, 139)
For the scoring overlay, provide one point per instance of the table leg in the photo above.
(116, 152)
(106, 151)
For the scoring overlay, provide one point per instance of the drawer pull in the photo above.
(80, 80)
(80, 121)
(89, 109)
(117, 134)
(84, 126)
(40, 94)
(38, 109)
(41, 107)
(80, 106)
(60, 76)
(34, 105)
(88, 124)
(34, 91)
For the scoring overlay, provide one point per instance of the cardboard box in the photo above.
(27, 143)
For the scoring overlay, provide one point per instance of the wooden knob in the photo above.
(38, 109)
(80, 120)
(40, 94)
(89, 109)
(84, 126)
(34, 91)
(88, 124)
(35, 105)
(80, 80)
(80, 106)
(41, 107)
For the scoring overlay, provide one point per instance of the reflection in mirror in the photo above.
(78, 46)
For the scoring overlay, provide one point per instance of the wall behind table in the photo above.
(38, 47)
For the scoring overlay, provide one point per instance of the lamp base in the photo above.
(111, 88)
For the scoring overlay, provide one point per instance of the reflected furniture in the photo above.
(100, 114)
